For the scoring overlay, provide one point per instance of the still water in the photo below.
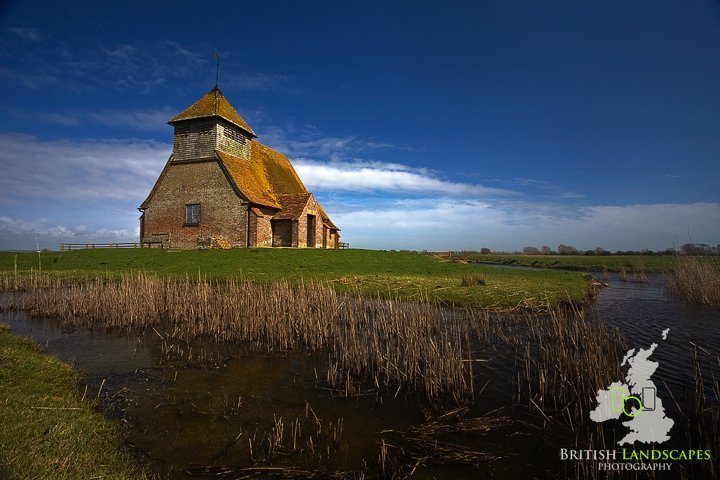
(207, 410)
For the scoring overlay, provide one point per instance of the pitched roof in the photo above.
(326, 218)
(264, 176)
(214, 104)
(293, 205)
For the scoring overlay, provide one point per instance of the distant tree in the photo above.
(567, 250)
(695, 249)
(545, 250)
(531, 250)
(601, 251)
(485, 251)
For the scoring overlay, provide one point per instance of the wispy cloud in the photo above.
(359, 176)
(32, 80)
(78, 170)
(308, 143)
(446, 223)
(545, 187)
(255, 81)
(138, 66)
(137, 119)
(25, 33)
(143, 119)
(48, 231)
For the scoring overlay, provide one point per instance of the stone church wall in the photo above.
(223, 215)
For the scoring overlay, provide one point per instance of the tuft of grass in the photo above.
(695, 281)
(471, 279)
(48, 429)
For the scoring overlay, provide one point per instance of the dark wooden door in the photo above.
(311, 230)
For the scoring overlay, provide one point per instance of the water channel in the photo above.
(207, 410)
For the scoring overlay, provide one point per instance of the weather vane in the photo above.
(217, 68)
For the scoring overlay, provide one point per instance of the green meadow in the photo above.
(584, 263)
(402, 275)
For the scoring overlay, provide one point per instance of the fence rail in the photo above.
(87, 246)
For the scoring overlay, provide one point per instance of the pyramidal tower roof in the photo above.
(213, 104)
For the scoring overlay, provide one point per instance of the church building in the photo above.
(221, 188)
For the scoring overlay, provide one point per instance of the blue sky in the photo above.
(420, 125)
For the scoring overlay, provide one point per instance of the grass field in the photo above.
(608, 263)
(48, 430)
(404, 275)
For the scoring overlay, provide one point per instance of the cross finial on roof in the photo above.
(217, 68)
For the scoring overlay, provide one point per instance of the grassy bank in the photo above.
(583, 263)
(48, 430)
(402, 275)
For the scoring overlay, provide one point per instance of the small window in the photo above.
(192, 214)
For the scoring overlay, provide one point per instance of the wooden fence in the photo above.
(86, 246)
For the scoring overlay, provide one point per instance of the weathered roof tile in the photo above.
(293, 205)
(214, 104)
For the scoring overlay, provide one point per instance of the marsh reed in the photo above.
(562, 357)
(386, 343)
(695, 281)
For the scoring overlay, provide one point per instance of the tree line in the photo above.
(690, 249)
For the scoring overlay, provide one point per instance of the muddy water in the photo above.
(206, 410)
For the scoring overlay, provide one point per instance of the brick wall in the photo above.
(333, 239)
(223, 215)
(302, 225)
(261, 227)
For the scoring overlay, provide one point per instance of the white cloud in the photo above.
(469, 225)
(79, 170)
(359, 176)
(21, 233)
(343, 170)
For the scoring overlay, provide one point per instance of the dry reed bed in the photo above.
(399, 345)
(570, 355)
(696, 281)
(562, 358)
